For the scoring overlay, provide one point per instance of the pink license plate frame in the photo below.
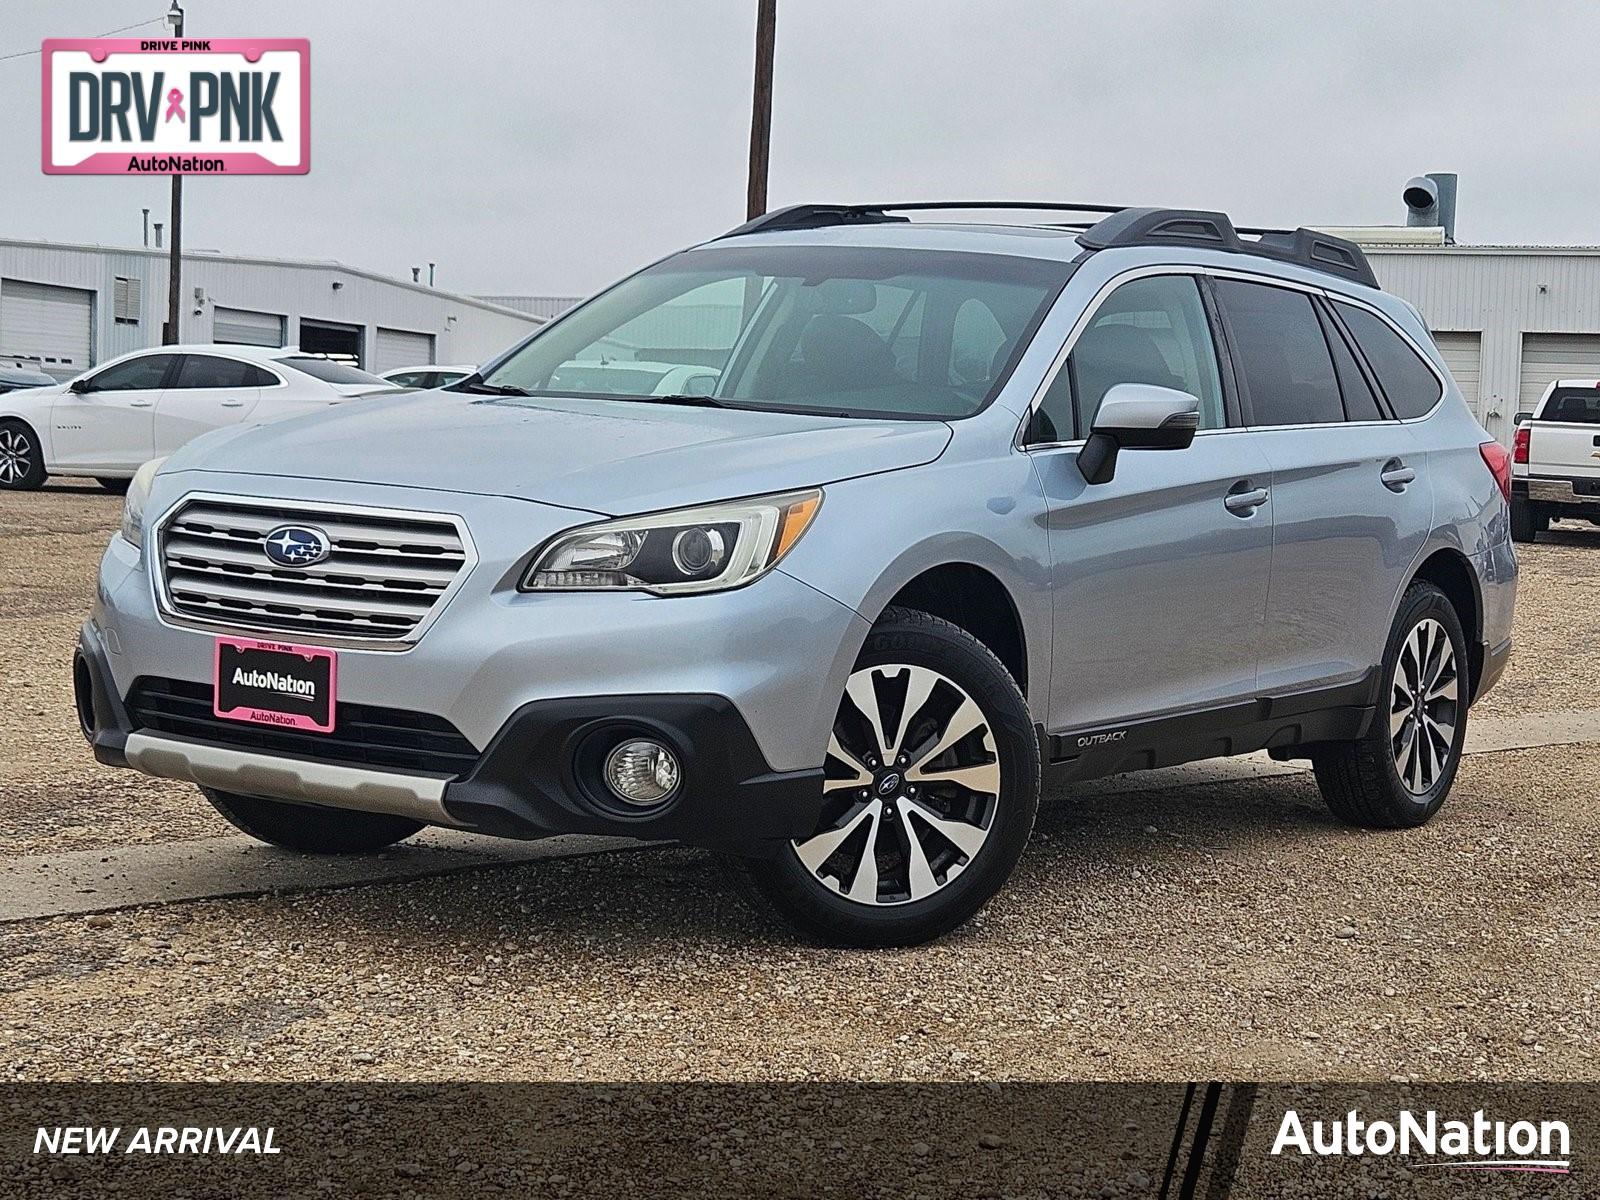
(267, 681)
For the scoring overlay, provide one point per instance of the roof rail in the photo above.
(1119, 226)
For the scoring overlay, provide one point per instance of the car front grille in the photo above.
(363, 735)
(384, 577)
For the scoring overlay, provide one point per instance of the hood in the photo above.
(606, 456)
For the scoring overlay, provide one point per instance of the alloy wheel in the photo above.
(910, 791)
(16, 456)
(1424, 707)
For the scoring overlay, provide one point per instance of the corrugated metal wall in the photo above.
(465, 329)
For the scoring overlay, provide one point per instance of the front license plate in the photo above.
(271, 683)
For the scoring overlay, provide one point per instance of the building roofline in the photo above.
(261, 260)
(1488, 248)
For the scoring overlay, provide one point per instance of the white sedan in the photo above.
(109, 421)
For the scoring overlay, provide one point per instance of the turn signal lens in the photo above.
(1519, 445)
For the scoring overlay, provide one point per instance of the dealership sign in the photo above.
(167, 106)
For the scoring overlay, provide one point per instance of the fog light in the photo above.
(642, 772)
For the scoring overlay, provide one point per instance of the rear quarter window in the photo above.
(1409, 383)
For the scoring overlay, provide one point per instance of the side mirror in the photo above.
(80, 386)
(1521, 417)
(1137, 416)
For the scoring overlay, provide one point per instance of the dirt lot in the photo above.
(1225, 930)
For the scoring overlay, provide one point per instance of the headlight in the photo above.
(133, 504)
(705, 549)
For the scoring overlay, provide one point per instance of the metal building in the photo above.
(64, 308)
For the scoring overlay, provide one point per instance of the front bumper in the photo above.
(738, 681)
(537, 778)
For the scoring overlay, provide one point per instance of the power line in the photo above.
(107, 33)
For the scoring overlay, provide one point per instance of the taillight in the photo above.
(1519, 444)
(1499, 464)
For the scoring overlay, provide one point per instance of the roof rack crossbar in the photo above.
(1117, 226)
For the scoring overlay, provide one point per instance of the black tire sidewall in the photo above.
(1423, 602)
(918, 640)
(36, 473)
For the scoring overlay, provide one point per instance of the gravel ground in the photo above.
(1247, 936)
(1227, 930)
(57, 796)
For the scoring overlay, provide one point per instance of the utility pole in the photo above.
(175, 220)
(761, 109)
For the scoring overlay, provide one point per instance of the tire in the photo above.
(21, 458)
(1541, 521)
(1398, 775)
(1524, 525)
(117, 487)
(968, 834)
(310, 829)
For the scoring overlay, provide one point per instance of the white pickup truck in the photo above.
(1555, 459)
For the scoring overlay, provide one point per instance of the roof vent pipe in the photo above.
(1431, 201)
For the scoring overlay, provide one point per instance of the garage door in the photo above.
(401, 348)
(1548, 356)
(241, 327)
(45, 327)
(1462, 354)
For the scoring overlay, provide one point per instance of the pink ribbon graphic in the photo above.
(175, 106)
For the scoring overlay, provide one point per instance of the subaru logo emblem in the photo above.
(297, 546)
(887, 784)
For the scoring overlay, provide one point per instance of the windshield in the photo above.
(329, 371)
(846, 331)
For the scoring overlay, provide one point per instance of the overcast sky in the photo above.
(546, 146)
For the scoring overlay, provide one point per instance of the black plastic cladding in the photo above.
(1119, 227)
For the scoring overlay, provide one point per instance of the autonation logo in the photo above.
(1480, 1144)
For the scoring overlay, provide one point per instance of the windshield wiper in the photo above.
(682, 398)
(490, 389)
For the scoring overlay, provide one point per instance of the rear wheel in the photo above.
(1399, 774)
(308, 828)
(1524, 522)
(21, 459)
(932, 783)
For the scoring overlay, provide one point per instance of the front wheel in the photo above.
(308, 828)
(1399, 774)
(930, 790)
(21, 459)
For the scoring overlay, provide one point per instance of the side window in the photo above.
(414, 379)
(1360, 401)
(1053, 420)
(206, 371)
(1412, 388)
(1281, 354)
(1151, 330)
(137, 374)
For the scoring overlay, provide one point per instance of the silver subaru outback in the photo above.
(941, 511)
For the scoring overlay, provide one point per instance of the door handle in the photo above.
(1243, 500)
(140, 403)
(1396, 475)
(233, 404)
